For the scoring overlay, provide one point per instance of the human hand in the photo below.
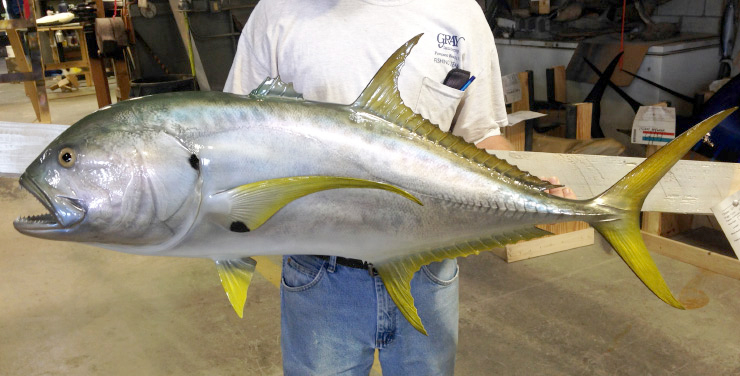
(564, 192)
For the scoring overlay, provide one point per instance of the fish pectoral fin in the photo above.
(251, 205)
(397, 273)
(236, 274)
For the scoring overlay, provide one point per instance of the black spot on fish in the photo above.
(238, 226)
(194, 162)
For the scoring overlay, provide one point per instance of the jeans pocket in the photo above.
(438, 103)
(443, 273)
(302, 272)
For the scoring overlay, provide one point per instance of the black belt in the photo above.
(353, 263)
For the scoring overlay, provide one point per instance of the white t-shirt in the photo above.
(330, 49)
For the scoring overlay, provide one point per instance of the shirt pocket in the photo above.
(438, 103)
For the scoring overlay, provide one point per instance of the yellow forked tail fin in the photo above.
(628, 195)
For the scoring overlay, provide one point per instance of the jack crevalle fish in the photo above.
(226, 177)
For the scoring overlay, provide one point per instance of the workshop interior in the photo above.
(119, 121)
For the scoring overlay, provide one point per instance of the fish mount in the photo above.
(250, 209)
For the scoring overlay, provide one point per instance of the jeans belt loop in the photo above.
(332, 264)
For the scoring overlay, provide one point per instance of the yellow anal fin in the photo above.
(235, 276)
(249, 206)
(397, 273)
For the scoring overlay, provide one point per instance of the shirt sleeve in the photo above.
(252, 59)
(482, 112)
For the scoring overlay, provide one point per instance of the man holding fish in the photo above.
(336, 311)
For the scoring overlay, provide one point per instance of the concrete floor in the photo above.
(69, 309)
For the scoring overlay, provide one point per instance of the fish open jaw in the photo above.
(69, 208)
(41, 220)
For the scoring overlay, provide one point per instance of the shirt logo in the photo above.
(445, 39)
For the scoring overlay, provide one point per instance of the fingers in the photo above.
(569, 194)
(564, 192)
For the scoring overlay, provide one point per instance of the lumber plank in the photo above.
(564, 227)
(685, 189)
(559, 82)
(689, 254)
(21, 143)
(516, 132)
(583, 123)
(546, 245)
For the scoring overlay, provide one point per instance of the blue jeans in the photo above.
(334, 317)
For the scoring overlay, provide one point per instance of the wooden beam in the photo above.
(546, 245)
(685, 189)
(663, 224)
(516, 133)
(123, 80)
(182, 27)
(102, 91)
(564, 227)
(556, 88)
(578, 121)
(544, 7)
(559, 84)
(583, 120)
(539, 6)
(21, 143)
(689, 254)
(35, 89)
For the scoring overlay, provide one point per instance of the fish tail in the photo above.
(628, 195)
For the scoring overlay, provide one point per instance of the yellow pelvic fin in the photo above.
(397, 273)
(628, 195)
(251, 205)
(235, 277)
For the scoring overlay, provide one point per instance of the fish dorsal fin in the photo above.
(235, 277)
(275, 87)
(397, 273)
(382, 98)
(247, 207)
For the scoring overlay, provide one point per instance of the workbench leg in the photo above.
(35, 90)
(84, 54)
(36, 66)
(102, 91)
(122, 79)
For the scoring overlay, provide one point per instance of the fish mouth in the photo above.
(64, 212)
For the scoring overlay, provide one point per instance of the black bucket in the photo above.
(162, 84)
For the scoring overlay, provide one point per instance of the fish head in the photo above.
(110, 182)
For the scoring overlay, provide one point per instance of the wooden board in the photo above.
(545, 245)
(685, 189)
(20, 143)
(689, 254)
(515, 133)
(583, 120)
(559, 82)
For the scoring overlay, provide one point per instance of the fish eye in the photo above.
(67, 157)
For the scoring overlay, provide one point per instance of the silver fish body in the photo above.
(265, 140)
(240, 140)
